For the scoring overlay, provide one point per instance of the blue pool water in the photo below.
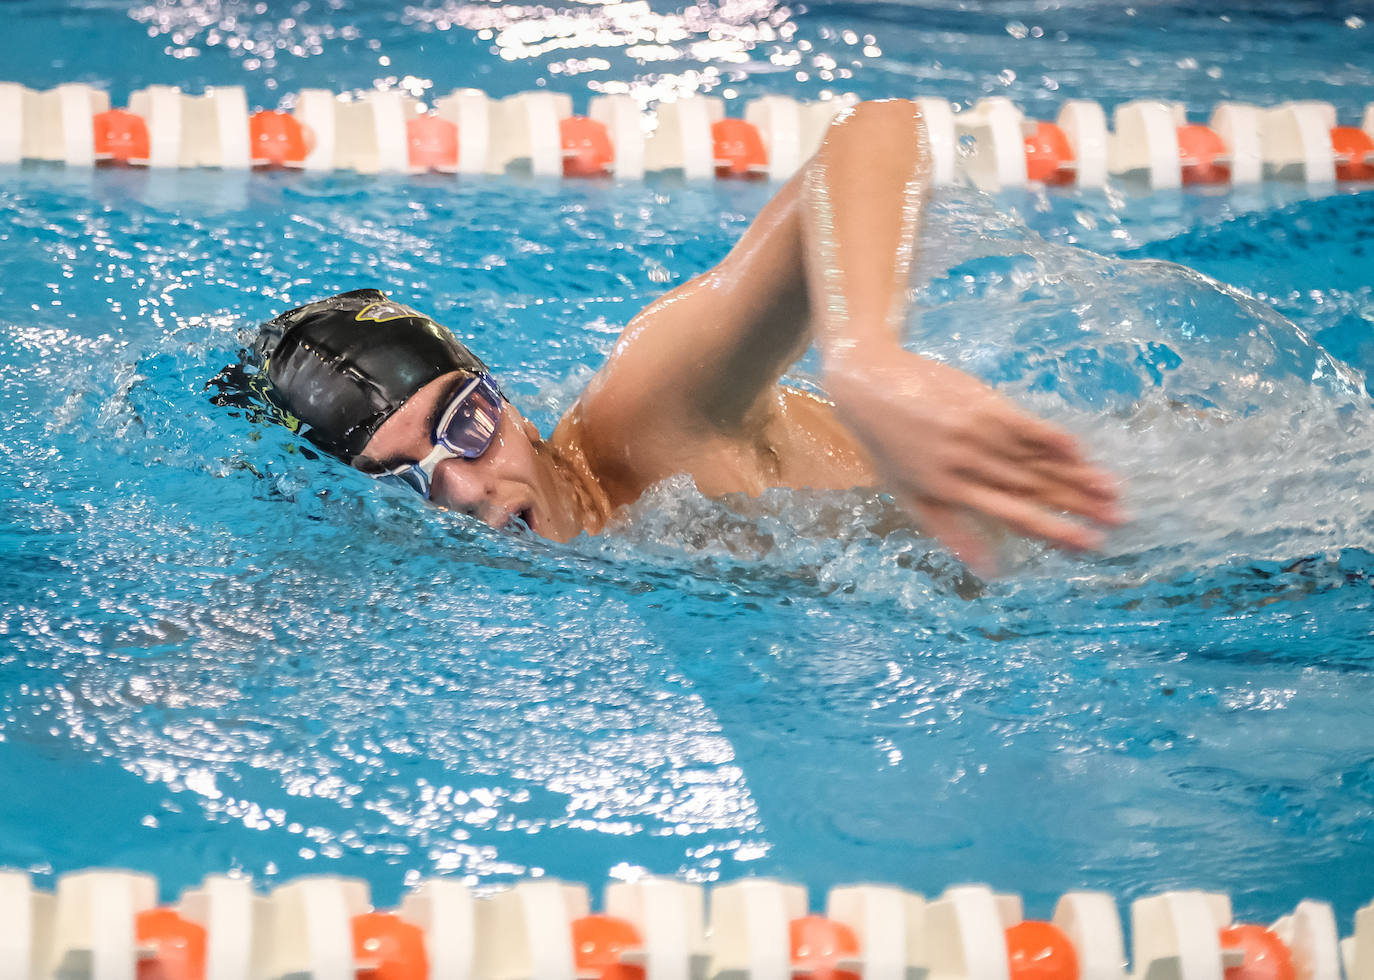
(216, 653)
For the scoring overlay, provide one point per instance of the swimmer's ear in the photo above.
(367, 464)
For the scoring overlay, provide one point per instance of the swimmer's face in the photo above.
(512, 479)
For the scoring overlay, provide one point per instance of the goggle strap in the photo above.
(430, 463)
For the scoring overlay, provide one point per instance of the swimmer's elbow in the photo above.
(883, 127)
(883, 112)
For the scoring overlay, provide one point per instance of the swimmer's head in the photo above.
(342, 366)
(375, 384)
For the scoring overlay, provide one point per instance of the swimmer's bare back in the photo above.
(692, 385)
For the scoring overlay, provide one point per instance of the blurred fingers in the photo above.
(1077, 488)
(1032, 519)
(1015, 434)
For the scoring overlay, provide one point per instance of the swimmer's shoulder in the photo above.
(795, 440)
(614, 438)
(627, 442)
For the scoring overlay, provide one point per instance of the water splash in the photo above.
(1237, 436)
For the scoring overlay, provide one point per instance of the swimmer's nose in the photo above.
(460, 484)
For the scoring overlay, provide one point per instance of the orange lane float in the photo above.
(739, 150)
(386, 947)
(432, 144)
(177, 946)
(1266, 957)
(599, 941)
(1203, 156)
(277, 139)
(121, 136)
(1354, 152)
(1049, 157)
(818, 944)
(587, 150)
(1040, 951)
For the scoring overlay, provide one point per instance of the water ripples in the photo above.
(244, 656)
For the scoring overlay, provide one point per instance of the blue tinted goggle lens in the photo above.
(469, 425)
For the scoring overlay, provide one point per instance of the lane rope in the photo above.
(992, 144)
(108, 925)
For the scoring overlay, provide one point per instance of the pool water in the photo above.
(217, 652)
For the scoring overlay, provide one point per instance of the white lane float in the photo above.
(996, 157)
(28, 915)
(1092, 924)
(889, 925)
(1084, 126)
(182, 131)
(1238, 126)
(669, 921)
(623, 121)
(468, 111)
(1144, 144)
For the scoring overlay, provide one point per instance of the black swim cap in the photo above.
(343, 365)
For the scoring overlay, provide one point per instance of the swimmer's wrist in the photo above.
(858, 356)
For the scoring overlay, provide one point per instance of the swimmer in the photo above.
(693, 384)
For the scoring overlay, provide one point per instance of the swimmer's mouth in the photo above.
(521, 520)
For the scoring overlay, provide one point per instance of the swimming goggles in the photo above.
(465, 431)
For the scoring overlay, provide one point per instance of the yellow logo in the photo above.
(384, 311)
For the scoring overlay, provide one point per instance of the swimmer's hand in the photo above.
(966, 461)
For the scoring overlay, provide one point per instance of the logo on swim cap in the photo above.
(386, 310)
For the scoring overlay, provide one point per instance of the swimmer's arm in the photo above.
(963, 459)
(716, 345)
(703, 361)
(827, 259)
